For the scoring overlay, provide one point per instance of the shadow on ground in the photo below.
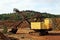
(54, 34)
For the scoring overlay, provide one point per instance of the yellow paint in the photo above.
(35, 25)
(41, 25)
(46, 23)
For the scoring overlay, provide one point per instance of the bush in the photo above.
(5, 29)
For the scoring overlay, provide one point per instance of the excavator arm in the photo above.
(24, 18)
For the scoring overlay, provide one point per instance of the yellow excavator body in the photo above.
(46, 24)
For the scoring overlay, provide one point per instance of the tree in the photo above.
(16, 10)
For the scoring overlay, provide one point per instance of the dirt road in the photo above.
(51, 36)
(23, 35)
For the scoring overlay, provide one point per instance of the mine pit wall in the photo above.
(56, 23)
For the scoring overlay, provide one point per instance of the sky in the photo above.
(49, 6)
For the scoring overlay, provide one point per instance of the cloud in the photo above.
(51, 6)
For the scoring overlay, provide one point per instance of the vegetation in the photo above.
(15, 16)
(11, 16)
(5, 29)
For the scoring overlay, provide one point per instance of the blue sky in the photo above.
(49, 6)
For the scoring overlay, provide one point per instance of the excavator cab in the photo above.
(43, 26)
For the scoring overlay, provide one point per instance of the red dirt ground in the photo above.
(33, 37)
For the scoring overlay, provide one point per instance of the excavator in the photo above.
(38, 23)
